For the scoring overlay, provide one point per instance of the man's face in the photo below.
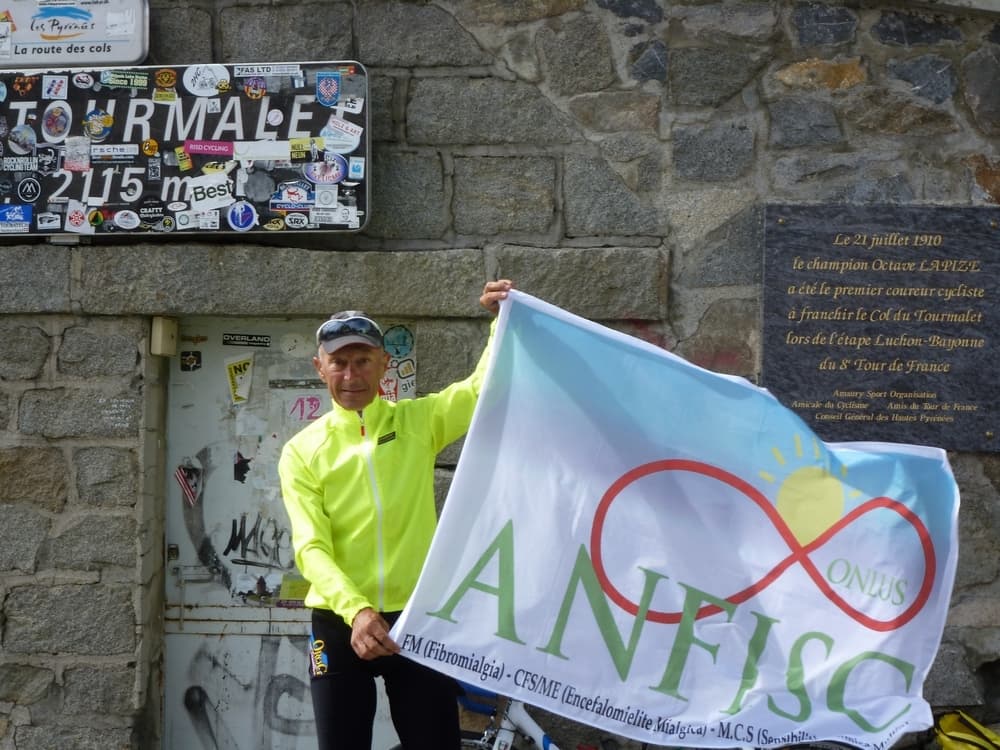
(352, 374)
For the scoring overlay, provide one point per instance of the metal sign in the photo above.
(239, 148)
(877, 321)
(42, 33)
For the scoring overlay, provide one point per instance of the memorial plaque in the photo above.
(880, 321)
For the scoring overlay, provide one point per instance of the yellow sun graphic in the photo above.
(810, 498)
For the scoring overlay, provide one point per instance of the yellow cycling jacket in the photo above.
(359, 490)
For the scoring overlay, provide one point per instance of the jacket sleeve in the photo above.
(453, 406)
(312, 540)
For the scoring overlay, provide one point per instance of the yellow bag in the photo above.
(959, 731)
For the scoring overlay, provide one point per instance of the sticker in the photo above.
(15, 219)
(22, 140)
(356, 168)
(54, 87)
(77, 156)
(24, 84)
(261, 150)
(209, 191)
(275, 224)
(326, 196)
(150, 147)
(76, 218)
(209, 148)
(201, 220)
(268, 69)
(327, 88)
(48, 220)
(246, 339)
(352, 104)
(48, 160)
(114, 152)
(306, 148)
(153, 170)
(29, 189)
(176, 206)
(398, 341)
(55, 121)
(83, 80)
(239, 374)
(3, 91)
(127, 219)
(293, 195)
(125, 79)
(204, 80)
(328, 172)
(150, 212)
(165, 96)
(297, 221)
(274, 118)
(325, 215)
(165, 78)
(97, 125)
(388, 387)
(184, 162)
(255, 88)
(241, 216)
(341, 136)
(189, 478)
(190, 361)
(218, 166)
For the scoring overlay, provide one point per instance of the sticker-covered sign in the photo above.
(240, 148)
(43, 33)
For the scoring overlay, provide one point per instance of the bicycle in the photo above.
(509, 721)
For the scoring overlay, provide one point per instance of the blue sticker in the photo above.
(15, 218)
(328, 88)
(242, 216)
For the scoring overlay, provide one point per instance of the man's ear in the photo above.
(318, 364)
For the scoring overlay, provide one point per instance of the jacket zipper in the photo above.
(379, 546)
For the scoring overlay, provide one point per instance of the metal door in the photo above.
(236, 632)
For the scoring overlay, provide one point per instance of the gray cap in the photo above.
(348, 327)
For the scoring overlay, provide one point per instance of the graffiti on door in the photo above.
(238, 692)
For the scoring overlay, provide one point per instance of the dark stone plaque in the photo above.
(880, 321)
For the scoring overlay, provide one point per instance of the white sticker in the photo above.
(262, 150)
(208, 191)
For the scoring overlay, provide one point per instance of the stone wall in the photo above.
(614, 157)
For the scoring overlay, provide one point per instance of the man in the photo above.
(358, 484)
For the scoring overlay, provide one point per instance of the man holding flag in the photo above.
(358, 484)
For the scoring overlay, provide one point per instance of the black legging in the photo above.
(423, 703)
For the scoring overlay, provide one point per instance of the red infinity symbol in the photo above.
(799, 553)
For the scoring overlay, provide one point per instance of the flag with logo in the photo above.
(669, 554)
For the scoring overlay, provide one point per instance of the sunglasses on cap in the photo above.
(336, 333)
